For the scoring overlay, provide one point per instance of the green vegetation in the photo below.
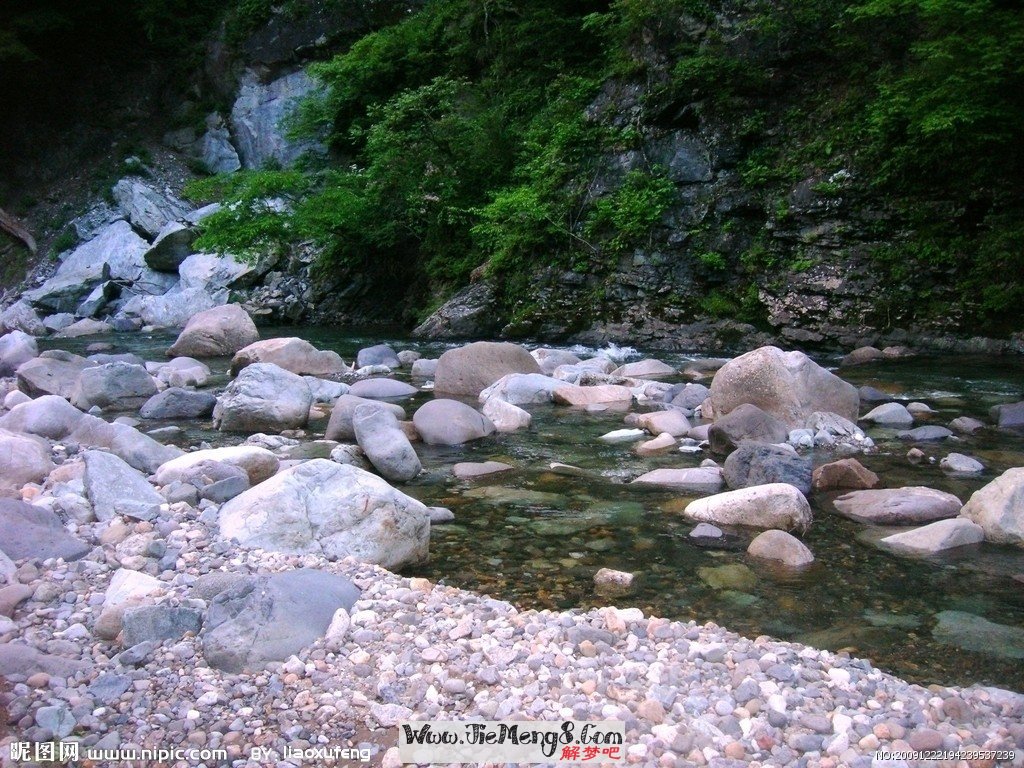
(469, 138)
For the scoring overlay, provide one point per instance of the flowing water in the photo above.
(536, 537)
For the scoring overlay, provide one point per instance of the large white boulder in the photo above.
(999, 508)
(775, 505)
(264, 398)
(216, 332)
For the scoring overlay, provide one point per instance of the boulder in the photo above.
(272, 617)
(50, 376)
(173, 244)
(762, 463)
(336, 510)
(264, 398)
(959, 464)
(843, 474)
(935, 537)
(999, 508)
(379, 354)
(382, 389)
(550, 359)
(216, 332)
(781, 547)
(157, 623)
(645, 369)
(16, 347)
(673, 421)
(469, 470)
(30, 532)
(745, 422)
(127, 589)
(290, 353)
(147, 208)
(178, 403)
(977, 634)
(504, 416)
(604, 394)
(612, 583)
(522, 389)
(787, 385)
(385, 443)
(58, 322)
(966, 425)
(687, 396)
(181, 372)
(776, 505)
(115, 488)
(258, 118)
(339, 427)
(325, 390)
(215, 480)
(20, 659)
(468, 370)
(113, 386)
(449, 422)
(889, 415)
(23, 459)
(20, 316)
(692, 479)
(85, 327)
(1008, 415)
(898, 506)
(862, 355)
(660, 444)
(423, 369)
(15, 397)
(214, 148)
(259, 463)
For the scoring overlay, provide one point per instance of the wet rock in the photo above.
(645, 369)
(379, 354)
(292, 354)
(660, 444)
(178, 403)
(936, 537)
(974, 633)
(385, 443)
(862, 355)
(693, 479)
(965, 425)
(216, 332)
(744, 423)
(925, 434)
(258, 463)
(423, 369)
(382, 389)
(999, 508)
(610, 394)
(28, 531)
(843, 474)
(113, 386)
(787, 385)
(16, 347)
(612, 583)
(173, 244)
(1008, 416)
(734, 576)
(782, 547)
(672, 421)
(687, 396)
(469, 370)
(504, 416)
(959, 464)
(898, 506)
(325, 390)
(776, 505)
(760, 463)
(522, 389)
(264, 398)
(469, 470)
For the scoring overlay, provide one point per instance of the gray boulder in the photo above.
(292, 354)
(23, 459)
(269, 618)
(214, 148)
(181, 372)
(16, 348)
(1008, 415)
(522, 389)
(424, 368)
(382, 389)
(385, 443)
(264, 398)
(257, 119)
(20, 316)
(781, 547)
(504, 416)
(29, 532)
(449, 422)
(468, 370)
(898, 506)
(216, 332)
(889, 415)
(51, 376)
(777, 505)
(687, 396)
(379, 354)
(172, 246)
(115, 488)
(787, 385)
(761, 463)
(999, 508)
(336, 510)
(550, 359)
(113, 386)
(146, 207)
(966, 425)
(745, 422)
(178, 403)
(692, 479)
(959, 464)
(935, 537)
(157, 623)
(925, 434)
(340, 428)
(645, 369)
(85, 327)
(325, 390)
(258, 463)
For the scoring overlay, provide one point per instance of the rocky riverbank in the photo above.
(162, 592)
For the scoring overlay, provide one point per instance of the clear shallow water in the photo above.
(537, 538)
